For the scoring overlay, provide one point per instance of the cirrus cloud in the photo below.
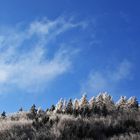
(24, 60)
(108, 79)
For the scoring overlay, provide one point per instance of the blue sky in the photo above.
(51, 49)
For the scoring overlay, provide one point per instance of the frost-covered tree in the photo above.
(69, 108)
(52, 108)
(33, 110)
(104, 99)
(84, 106)
(93, 108)
(76, 107)
(122, 103)
(92, 103)
(108, 102)
(59, 106)
(83, 101)
(132, 102)
(40, 111)
(104, 110)
(104, 104)
(64, 106)
(99, 99)
(76, 104)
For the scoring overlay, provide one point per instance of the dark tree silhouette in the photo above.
(69, 107)
(3, 114)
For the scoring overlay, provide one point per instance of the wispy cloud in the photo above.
(24, 61)
(108, 79)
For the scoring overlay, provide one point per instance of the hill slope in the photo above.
(97, 119)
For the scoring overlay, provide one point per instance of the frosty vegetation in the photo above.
(80, 119)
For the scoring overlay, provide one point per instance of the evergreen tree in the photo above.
(75, 107)
(52, 108)
(33, 110)
(91, 103)
(59, 106)
(99, 99)
(40, 111)
(104, 110)
(132, 102)
(3, 114)
(85, 111)
(105, 98)
(84, 105)
(122, 103)
(96, 109)
(21, 109)
(69, 108)
(76, 104)
(64, 106)
(83, 101)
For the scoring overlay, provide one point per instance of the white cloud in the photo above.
(122, 71)
(23, 55)
(108, 80)
(51, 29)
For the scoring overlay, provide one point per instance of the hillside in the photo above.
(97, 119)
